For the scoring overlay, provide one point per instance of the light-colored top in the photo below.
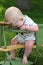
(29, 22)
(29, 35)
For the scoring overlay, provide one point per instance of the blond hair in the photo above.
(13, 14)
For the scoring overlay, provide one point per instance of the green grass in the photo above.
(36, 13)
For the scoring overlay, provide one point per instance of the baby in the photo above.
(23, 22)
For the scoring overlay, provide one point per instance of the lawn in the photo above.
(36, 13)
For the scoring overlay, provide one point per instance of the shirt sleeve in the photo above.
(29, 21)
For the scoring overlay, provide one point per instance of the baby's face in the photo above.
(19, 23)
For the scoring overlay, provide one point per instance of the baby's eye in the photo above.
(21, 19)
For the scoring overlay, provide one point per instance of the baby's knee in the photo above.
(29, 46)
(13, 41)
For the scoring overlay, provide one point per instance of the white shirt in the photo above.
(29, 22)
(29, 35)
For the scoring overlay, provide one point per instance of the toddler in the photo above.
(23, 22)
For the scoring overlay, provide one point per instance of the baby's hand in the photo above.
(23, 27)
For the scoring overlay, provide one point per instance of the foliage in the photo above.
(36, 13)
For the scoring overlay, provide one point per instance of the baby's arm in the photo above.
(33, 28)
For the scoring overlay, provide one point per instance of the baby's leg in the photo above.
(12, 53)
(28, 48)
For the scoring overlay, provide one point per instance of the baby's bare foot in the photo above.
(25, 61)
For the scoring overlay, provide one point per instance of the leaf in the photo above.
(4, 63)
(18, 61)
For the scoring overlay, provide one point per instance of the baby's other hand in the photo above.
(22, 28)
